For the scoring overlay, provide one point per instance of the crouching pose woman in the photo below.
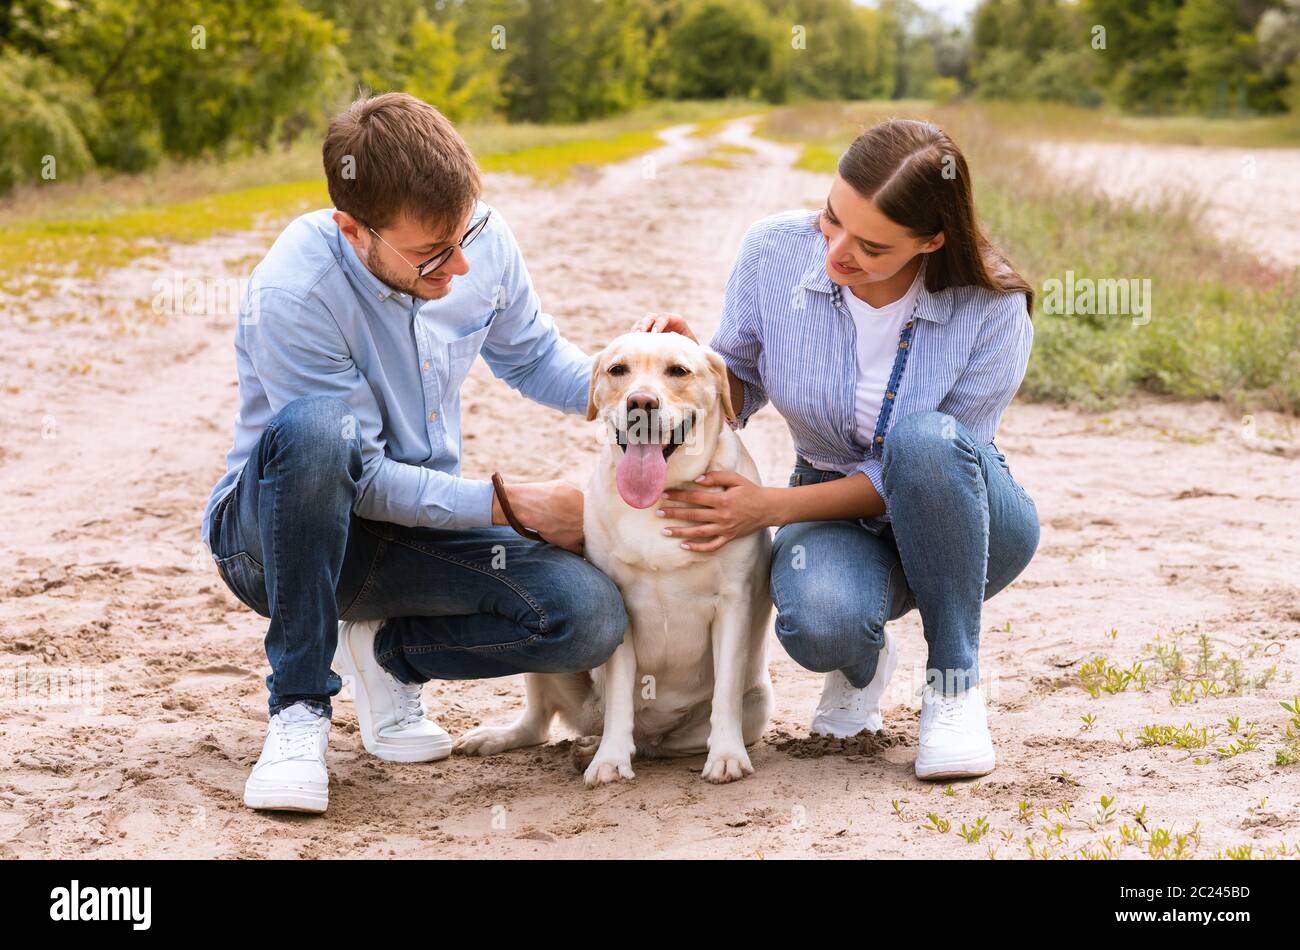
(891, 335)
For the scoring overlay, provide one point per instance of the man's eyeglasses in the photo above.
(425, 268)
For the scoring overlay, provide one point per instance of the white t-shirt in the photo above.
(877, 337)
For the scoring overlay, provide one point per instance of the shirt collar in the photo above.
(373, 286)
(933, 306)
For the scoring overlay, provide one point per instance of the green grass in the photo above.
(1066, 123)
(1057, 122)
(84, 247)
(1223, 325)
(708, 127)
(720, 156)
(84, 227)
(553, 163)
(710, 161)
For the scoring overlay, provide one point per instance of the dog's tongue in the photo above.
(642, 473)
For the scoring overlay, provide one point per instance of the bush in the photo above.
(942, 89)
(45, 116)
(1000, 74)
(130, 139)
(1065, 77)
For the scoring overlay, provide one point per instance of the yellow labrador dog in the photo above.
(691, 675)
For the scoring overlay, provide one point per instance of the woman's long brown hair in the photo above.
(918, 178)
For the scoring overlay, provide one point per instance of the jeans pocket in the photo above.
(246, 580)
(1001, 459)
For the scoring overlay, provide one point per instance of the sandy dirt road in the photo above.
(1156, 519)
(1248, 196)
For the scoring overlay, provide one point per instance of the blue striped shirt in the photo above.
(316, 322)
(787, 334)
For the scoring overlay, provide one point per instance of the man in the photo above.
(343, 497)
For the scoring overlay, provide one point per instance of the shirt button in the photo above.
(902, 345)
(433, 417)
(380, 296)
(909, 324)
(879, 439)
(426, 364)
(889, 395)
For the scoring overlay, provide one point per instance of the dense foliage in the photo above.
(118, 84)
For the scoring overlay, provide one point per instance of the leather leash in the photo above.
(499, 486)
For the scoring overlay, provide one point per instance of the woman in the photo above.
(891, 335)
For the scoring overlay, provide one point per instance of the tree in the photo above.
(1278, 37)
(44, 118)
(1145, 67)
(572, 60)
(1218, 47)
(185, 76)
(450, 72)
(721, 49)
(838, 55)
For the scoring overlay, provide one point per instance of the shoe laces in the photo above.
(950, 711)
(410, 701)
(297, 738)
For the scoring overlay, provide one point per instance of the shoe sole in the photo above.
(272, 798)
(970, 768)
(428, 751)
(831, 732)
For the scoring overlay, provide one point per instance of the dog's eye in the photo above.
(677, 371)
(618, 369)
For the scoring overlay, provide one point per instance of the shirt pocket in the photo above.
(461, 353)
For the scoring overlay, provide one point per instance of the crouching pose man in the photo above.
(343, 498)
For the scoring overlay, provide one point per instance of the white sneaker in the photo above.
(291, 774)
(955, 741)
(393, 719)
(846, 710)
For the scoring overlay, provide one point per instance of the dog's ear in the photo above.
(591, 392)
(719, 369)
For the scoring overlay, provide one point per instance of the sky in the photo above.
(955, 11)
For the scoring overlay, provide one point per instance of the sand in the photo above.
(1158, 518)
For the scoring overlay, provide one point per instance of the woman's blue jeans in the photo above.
(464, 604)
(961, 529)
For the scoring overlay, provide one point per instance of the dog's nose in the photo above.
(647, 402)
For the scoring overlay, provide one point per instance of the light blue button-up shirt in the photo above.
(314, 321)
(787, 334)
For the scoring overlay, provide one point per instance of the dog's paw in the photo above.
(488, 740)
(609, 767)
(723, 766)
(583, 751)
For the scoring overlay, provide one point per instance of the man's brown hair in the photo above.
(394, 153)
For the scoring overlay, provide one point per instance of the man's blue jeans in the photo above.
(462, 604)
(961, 529)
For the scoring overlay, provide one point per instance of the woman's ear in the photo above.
(591, 392)
(718, 367)
(933, 244)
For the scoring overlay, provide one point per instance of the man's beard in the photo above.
(407, 283)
